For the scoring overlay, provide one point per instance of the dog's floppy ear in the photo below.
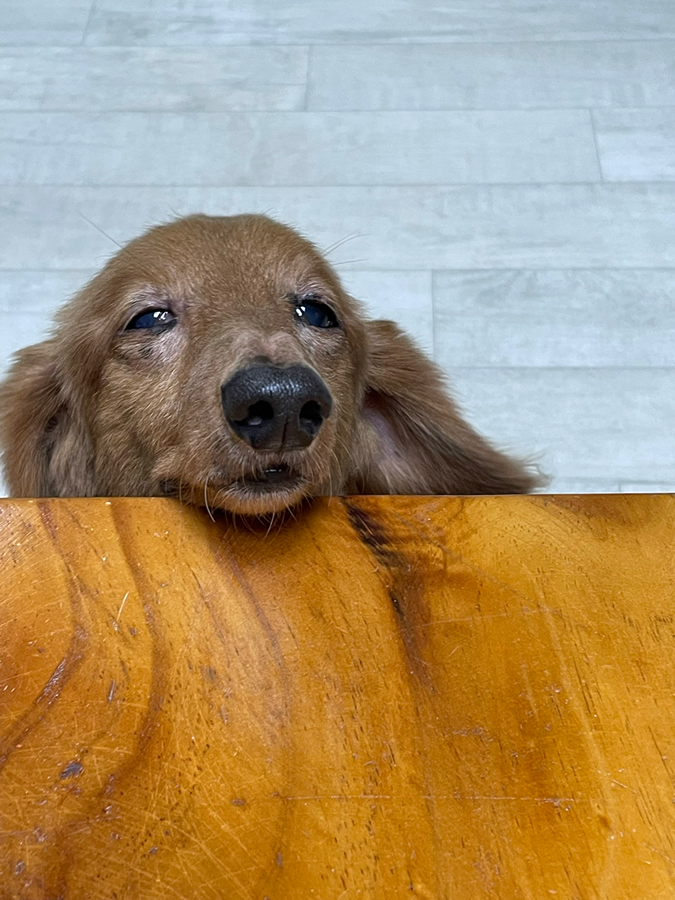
(46, 449)
(411, 435)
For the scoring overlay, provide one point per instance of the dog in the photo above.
(219, 359)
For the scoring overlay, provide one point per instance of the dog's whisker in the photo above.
(269, 527)
(341, 242)
(206, 499)
(98, 228)
(336, 457)
(291, 513)
(347, 262)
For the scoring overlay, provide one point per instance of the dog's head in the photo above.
(220, 360)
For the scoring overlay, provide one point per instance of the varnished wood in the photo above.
(384, 697)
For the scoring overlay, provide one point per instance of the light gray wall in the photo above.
(503, 172)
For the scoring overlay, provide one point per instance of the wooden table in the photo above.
(384, 697)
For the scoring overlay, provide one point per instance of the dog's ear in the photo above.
(411, 437)
(46, 449)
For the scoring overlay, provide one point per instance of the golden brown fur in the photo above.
(105, 408)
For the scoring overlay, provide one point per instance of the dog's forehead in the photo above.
(232, 255)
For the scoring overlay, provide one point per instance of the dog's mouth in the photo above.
(264, 491)
(271, 480)
(258, 492)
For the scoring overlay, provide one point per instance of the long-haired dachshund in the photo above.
(220, 360)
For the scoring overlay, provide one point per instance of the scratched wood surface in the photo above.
(385, 697)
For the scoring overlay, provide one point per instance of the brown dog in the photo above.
(219, 359)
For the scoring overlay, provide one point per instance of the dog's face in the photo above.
(244, 354)
(220, 360)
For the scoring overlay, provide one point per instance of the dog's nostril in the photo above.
(257, 414)
(311, 417)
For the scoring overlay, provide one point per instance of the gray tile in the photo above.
(20, 329)
(59, 236)
(404, 297)
(39, 292)
(647, 487)
(637, 144)
(581, 486)
(616, 424)
(406, 21)
(43, 21)
(153, 78)
(493, 75)
(512, 226)
(577, 317)
(297, 148)
(28, 301)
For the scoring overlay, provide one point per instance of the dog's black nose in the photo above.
(275, 408)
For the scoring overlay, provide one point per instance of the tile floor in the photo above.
(504, 171)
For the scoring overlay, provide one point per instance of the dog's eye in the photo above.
(316, 314)
(154, 319)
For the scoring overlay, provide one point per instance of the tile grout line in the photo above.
(302, 39)
(597, 369)
(363, 112)
(666, 185)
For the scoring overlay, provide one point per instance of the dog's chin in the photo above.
(268, 492)
(258, 493)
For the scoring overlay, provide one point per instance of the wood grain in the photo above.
(383, 697)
